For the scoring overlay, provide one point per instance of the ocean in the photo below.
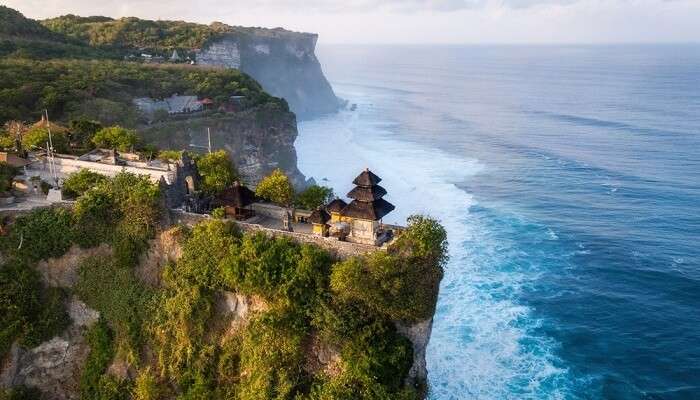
(568, 179)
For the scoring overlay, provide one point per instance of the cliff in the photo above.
(284, 62)
(258, 140)
(217, 325)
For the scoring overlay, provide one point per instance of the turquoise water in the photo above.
(569, 181)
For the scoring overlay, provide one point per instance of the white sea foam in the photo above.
(482, 347)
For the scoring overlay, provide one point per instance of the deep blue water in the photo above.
(569, 181)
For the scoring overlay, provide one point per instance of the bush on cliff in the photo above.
(79, 182)
(29, 311)
(402, 283)
(42, 233)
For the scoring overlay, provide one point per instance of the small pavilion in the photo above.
(236, 200)
(319, 219)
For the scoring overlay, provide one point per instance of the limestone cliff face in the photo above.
(258, 140)
(283, 62)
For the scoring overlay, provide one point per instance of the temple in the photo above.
(361, 220)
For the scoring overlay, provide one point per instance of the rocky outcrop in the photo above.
(258, 140)
(63, 271)
(165, 248)
(238, 309)
(419, 335)
(54, 366)
(283, 62)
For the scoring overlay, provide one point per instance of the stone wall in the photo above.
(333, 245)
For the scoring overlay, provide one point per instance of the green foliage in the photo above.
(272, 357)
(217, 171)
(7, 172)
(218, 213)
(425, 238)
(28, 311)
(115, 137)
(80, 182)
(146, 386)
(170, 155)
(115, 292)
(276, 188)
(40, 234)
(101, 341)
(134, 32)
(314, 196)
(38, 137)
(401, 284)
(82, 131)
(20, 393)
(105, 90)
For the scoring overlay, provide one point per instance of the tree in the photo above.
(38, 137)
(314, 196)
(217, 171)
(79, 182)
(115, 137)
(83, 130)
(169, 155)
(276, 188)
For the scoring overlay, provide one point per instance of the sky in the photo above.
(418, 21)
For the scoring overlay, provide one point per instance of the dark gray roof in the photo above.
(367, 178)
(319, 216)
(374, 211)
(236, 196)
(367, 193)
(336, 205)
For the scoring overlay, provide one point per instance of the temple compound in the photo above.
(361, 220)
(179, 180)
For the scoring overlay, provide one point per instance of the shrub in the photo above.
(169, 155)
(271, 356)
(401, 284)
(278, 269)
(314, 196)
(95, 215)
(115, 137)
(38, 137)
(7, 172)
(115, 292)
(276, 188)
(82, 130)
(80, 182)
(217, 171)
(28, 311)
(40, 234)
(146, 386)
(101, 342)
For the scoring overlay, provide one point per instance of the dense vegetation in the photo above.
(123, 211)
(104, 90)
(23, 37)
(303, 293)
(134, 33)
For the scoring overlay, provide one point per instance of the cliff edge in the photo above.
(284, 62)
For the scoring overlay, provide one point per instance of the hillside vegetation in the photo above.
(104, 90)
(134, 33)
(173, 336)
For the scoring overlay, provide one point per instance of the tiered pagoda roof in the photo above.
(367, 198)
